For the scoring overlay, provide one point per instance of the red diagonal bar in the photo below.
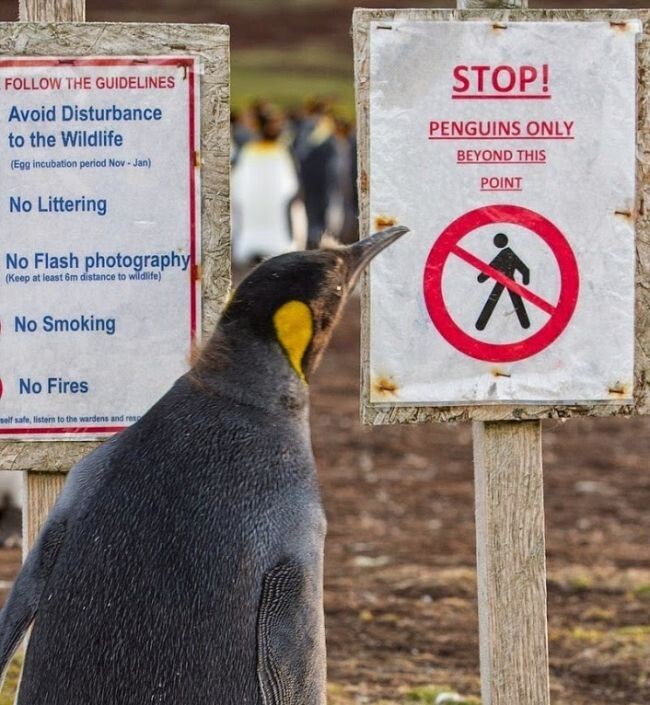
(503, 279)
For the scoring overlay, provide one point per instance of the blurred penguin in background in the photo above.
(268, 217)
(240, 133)
(344, 210)
(316, 152)
(11, 504)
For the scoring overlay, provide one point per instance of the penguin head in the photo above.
(293, 301)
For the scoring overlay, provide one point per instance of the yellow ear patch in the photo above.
(294, 327)
(231, 296)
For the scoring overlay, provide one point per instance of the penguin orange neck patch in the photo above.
(294, 328)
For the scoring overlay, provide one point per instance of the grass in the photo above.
(581, 583)
(428, 694)
(642, 592)
(337, 694)
(288, 77)
(637, 632)
(8, 692)
(632, 639)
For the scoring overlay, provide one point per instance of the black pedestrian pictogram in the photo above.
(507, 263)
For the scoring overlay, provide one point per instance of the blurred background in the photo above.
(400, 578)
(282, 50)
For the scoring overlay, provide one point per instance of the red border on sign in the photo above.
(194, 274)
(564, 308)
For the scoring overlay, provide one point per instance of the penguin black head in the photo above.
(293, 301)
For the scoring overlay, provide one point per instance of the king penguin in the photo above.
(182, 562)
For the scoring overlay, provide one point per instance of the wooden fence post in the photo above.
(41, 489)
(52, 10)
(511, 563)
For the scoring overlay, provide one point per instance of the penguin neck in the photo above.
(254, 372)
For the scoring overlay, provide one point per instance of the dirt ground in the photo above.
(400, 594)
(400, 580)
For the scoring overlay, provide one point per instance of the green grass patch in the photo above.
(611, 639)
(10, 686)
(589, 636)
(289, 77)
(642, 592)
(338, 694)
(428, 694)
(636, 632)
(581, 583)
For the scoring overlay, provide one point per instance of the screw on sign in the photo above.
(502, 270)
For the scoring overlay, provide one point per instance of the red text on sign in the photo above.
(501, 129)
(500, 82)
(501, 156)
(501, 183)
(86, 83)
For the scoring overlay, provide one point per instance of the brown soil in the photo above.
(400, 582)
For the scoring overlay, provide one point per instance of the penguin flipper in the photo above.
(21, 606)
(290, 638)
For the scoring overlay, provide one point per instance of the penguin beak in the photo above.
(360, 253)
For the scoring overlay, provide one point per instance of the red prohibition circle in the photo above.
(563, 310)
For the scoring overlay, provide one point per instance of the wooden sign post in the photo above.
(472, 146)
(511, 562)
(53, 28)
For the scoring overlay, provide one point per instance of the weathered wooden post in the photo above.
(511, 562)
(190, 216)
(473, 134)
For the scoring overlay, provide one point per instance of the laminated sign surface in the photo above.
(100, 239)
(510, 153)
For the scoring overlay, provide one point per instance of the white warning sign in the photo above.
(100, 239)
(509, 150)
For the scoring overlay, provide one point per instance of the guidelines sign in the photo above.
(509, 150)
(100, 241)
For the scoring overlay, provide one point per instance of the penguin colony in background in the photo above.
(182, 563)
